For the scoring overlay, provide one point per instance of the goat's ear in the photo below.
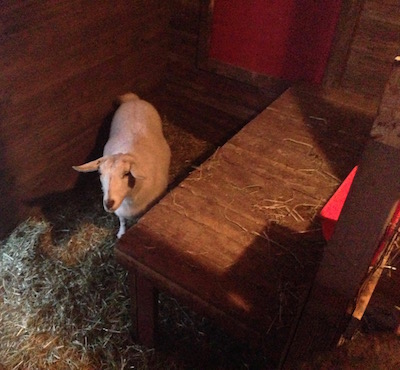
(89, 167)
(136, 173)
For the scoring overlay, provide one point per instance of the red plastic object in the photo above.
(331, 212)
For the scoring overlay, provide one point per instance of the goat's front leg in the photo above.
(122, 226)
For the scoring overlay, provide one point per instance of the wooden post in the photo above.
(144, 301)
(347, 23)
(368, 209)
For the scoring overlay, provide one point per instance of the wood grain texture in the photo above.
(241, 231)
(369, 206)
(346, 27)
(386, 128)
(365, 44)
(374, 44)
(62, 65)
(144, 309)
(366, 213)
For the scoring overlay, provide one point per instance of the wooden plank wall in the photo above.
(62, 63)
(185, 82)
(365, 44)
(374, 45)
(205, 109)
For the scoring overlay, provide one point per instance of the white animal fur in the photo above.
(135, 163)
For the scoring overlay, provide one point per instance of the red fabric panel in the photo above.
(290, 39)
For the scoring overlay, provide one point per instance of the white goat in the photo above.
(135, 163)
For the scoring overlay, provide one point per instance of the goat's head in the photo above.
(118, 174)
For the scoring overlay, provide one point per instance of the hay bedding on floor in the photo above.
(60, 312)
(64, 305)
(63, 299)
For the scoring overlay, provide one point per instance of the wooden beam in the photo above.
(205, 25)
(144, 309)
(386, 128)
(368, 209)
(346, 27)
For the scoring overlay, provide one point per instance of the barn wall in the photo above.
(285, 39)
(374, 44)
(366, 41)
(184, 28)
(61, 65)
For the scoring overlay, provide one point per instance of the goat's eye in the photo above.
(125, 174)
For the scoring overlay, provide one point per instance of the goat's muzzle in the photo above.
(108, 205)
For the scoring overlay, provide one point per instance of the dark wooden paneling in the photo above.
(347, 24)
(374, 45)
(187, 27)
(61, 66)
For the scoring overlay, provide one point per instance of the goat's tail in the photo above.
(127, 97)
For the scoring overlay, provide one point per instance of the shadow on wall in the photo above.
(9, 214)
(67, 210)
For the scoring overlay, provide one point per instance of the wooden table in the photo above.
(239, 239)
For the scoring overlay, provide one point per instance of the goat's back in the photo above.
(135, 124)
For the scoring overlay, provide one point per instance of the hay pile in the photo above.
(63, 302)
(63, 299)
(64, 305)
(59, 312)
